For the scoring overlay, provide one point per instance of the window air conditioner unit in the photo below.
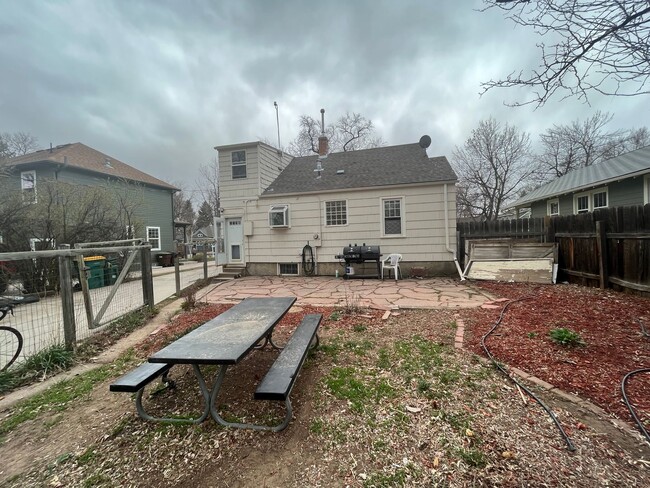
(279, 216)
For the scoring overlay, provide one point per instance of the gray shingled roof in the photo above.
(623, 166)
(382, 166)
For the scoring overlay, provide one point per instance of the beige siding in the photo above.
(271, 163)
(242, 188)
(423, 221)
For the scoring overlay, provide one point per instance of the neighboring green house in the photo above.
(149, 198)
(617, 182)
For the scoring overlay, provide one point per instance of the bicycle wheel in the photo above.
(11, 343)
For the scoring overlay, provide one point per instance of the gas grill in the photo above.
(355, 254)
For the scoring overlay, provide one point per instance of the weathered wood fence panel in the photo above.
(607, 247)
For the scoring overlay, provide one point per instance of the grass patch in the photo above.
(41, 365)
(58, 397)
(344, 384)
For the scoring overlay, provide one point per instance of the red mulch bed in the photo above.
(609, 323)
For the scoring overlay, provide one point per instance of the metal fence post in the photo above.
(67, 300)
(147, 276)
(205, 264)
(177, 274)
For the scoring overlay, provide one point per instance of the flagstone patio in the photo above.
(371, 293)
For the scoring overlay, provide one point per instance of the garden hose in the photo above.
(629, 405)
(567, 440)
(308, 260)
(636, 418)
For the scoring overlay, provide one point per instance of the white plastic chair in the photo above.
(391, 262)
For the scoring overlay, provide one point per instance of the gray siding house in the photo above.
(617, 182)
(395, 197)
(78, 164)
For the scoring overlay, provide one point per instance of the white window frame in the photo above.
(402, 209)
(159, 238)
(34, 240)
(550, 203)
(345, 209)
(597, 192)
(279, 209)
(25, 187)
(238, 164)
(590, 199)
(646, 190)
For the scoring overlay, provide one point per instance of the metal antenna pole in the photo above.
(277, 119)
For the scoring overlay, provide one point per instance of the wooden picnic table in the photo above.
(226, 340)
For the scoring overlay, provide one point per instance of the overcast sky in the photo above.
(157, 84)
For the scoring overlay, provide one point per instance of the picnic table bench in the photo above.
(226, 340)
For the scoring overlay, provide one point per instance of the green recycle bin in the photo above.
(111, 271)
(95, 271)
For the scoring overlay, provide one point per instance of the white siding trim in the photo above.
(646, 190)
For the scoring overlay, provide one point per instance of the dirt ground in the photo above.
(379, 403)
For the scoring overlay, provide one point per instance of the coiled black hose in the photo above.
(308, 260)
(568, 442)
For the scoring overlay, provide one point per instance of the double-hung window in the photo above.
(238, 164)
(600, 199)
(153, 236)
(336, 213)
(590, 200)
(392, 216)
(28, 186)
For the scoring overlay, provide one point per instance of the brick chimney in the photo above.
(323, 145)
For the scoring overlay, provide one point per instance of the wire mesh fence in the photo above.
(100, 288)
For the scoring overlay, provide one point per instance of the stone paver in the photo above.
(328, 291)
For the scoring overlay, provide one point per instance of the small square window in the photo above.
(553, 207)
(279, 216)
(336, 213)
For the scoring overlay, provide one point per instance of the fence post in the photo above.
(177, 274)
(147, 277)
(205, 264)
(601, 242)
(67, 301)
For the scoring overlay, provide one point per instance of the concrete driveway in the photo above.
(367, 293)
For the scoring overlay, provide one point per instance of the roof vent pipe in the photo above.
(323, 148)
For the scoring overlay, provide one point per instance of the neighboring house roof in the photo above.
(80, 156)
(382, 166)
(627, 165)
(203, 233)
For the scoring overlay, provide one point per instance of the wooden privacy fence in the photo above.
(607, 247)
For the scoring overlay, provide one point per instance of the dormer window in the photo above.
(238, 164)
(279, 216)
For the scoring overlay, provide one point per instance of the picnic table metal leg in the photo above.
(238, 425)
(204, 392)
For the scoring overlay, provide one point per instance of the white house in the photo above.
(395, 197)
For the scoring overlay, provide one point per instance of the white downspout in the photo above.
(447, 244)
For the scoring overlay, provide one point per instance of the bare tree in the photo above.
(16, 144)
(183, 208)
(208, 185)
(580, 144)
(351, 132)
(492, 166)
(602, 46)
